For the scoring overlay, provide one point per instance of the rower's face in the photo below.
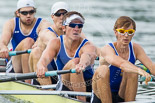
(26, 15)
(57, 18)
(124, 38)
(74, 29)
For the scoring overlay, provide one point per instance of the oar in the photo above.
(2, 69)
(44, 92)
(13, 53)
(33, 75)
(142, 79)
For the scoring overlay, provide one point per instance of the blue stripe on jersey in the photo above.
(63, 58)
(49, 28)
(18, 36)
(115, 72)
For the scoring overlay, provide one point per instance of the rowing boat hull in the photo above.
(33, 98)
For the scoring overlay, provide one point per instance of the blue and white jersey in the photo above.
(116, 73)
(63, 58)
(18, 36)
(52, 65)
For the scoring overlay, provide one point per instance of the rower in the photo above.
(116, 80)
(58, 10)
(71, 51)
(22, 31)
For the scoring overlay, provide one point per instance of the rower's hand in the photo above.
(41, 69)
(80, 68)
(4, 53)
(146, 75)
(34, 46)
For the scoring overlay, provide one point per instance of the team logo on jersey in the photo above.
(16, 31)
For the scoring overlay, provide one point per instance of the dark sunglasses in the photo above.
(72, 25)
(27, 12)
(59, 14)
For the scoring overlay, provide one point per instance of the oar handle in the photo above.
(143, 79)
(13, 53)
(97, 58)
(53, 73)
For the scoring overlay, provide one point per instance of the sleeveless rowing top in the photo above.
(116, 73)
(18, 36)
(63, 58)
(52, 65)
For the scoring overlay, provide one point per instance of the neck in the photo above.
(57, 30)
(71, 44)
(122, 48)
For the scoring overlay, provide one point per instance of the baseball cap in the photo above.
(25, 3)
(59, 5)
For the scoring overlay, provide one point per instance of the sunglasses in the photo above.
(72, 25)
(123, 31)
(27, 12)
(59, 14)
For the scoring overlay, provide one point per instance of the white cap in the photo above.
(73, 17)
(57, 6)
(25, 3)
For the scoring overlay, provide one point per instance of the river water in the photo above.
(100, 17)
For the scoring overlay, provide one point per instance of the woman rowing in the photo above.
(116, 80)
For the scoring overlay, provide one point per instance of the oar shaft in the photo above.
(34, 75)
(19, 77)
(53, 73)
(30, 92)
(13, 53)
(2, 69)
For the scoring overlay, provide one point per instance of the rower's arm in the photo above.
(47, 56)
(6, 34)
(5, 38)
(143, 58)
(109, 55)
(88, 55)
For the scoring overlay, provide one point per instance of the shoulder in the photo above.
(137, 48)
(107, 46)
(88, 46)
(107, 49)
(10, 24)
(44, 24)
(54, 43)
(47, 32)
(55, 40)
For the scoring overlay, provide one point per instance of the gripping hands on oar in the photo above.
(6, 54)
(41, 71)
(13, 53)
(33, 75)
(146, 75)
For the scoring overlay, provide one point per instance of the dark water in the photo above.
(100, 16)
